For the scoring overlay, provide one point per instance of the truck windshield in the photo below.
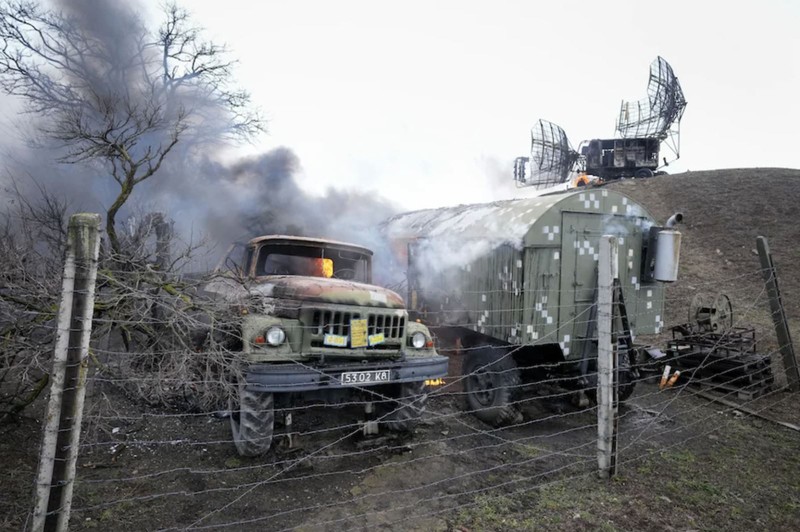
(310, 261)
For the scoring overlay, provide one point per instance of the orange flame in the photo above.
(324, 267)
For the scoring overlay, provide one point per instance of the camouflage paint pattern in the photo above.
(537, 280)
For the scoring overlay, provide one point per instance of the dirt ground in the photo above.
(684, 463)
(724, 211)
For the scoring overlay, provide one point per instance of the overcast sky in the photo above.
(428, 102)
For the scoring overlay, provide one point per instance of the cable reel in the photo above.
(711, 314)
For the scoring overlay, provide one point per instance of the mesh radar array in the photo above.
(552, 157)
(642, 127)
(658, 115)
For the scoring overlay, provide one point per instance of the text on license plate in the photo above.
(366, 377)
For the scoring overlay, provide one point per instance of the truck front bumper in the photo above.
(299, 377)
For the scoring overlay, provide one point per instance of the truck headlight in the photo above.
(275, 336)
(418, 340)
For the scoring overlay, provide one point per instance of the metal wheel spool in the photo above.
(711, 315)
(724, 313)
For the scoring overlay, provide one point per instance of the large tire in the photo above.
(627, 383)
(492, 382)
(643, 173)
(252, 422)
(405, 413)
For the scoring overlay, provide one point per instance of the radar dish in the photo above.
(552, 157)
(663, 108)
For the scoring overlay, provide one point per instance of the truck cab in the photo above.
(311, 326)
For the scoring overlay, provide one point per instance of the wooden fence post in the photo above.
(61, 433)
(606, 355)
(785, 345)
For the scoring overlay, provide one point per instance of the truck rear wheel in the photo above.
(407, 410)
(627, 383)
(492, 382)
(626, 360)
(252, 422)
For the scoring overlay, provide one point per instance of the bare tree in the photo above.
(151, 334)
(32, 241)
(109, 92)
(121, 95)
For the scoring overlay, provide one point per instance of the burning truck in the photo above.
(512, 286)
(310, 326)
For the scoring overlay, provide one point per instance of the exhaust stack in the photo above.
(663, 252)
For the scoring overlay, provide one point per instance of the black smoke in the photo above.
(259, 195)
(219, 202)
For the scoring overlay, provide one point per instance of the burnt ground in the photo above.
(684, 463)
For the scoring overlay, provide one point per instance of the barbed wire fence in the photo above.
(157, 451)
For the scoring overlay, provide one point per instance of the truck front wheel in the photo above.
(404, 413)
(492, 381)
(252, 422)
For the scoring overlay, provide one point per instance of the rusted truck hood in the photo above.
(297, 288)
(336, 291)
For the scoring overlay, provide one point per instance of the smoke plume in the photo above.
(221, 202)
(259, 195)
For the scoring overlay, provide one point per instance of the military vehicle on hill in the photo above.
(643, 126)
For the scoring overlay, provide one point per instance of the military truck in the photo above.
(310, 326)
(510, 288)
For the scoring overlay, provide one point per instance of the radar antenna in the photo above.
(659, 115)
(643, 127)
(552, 157)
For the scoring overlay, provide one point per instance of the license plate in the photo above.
(365, 377)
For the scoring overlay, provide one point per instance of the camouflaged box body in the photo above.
(525, 271)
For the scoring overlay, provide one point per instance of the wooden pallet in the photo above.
(747, 393)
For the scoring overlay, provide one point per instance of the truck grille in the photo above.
(338, 322)
(392, 326)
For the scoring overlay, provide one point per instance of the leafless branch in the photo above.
(125, 102)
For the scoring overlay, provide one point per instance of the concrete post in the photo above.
(61, 432)
(606, 355)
